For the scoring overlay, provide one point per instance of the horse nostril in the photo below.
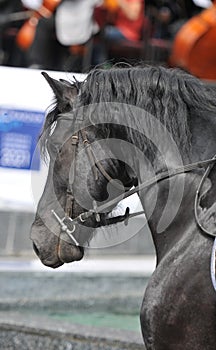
(36, 250)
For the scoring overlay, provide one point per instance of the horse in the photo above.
(151, 131)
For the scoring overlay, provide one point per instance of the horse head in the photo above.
(83, 173)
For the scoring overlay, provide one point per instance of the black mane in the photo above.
(170, 95)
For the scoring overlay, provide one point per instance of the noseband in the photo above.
(96, 211)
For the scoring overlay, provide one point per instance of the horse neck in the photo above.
(169, 205)
(169, 209)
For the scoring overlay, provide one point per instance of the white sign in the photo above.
(23, 90)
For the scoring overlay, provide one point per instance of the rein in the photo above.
(97, 210)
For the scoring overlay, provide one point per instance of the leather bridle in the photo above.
(68, 225)
(96, 166)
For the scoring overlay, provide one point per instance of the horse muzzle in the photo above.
(52, 250)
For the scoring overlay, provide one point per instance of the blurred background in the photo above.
(66, 38)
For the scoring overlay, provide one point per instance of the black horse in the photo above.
(151, 129)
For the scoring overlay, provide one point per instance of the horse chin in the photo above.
(68, 253)
(47, 259)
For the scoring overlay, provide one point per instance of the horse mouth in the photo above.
(64, 253)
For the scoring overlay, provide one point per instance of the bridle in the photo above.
(96, 167)
(68, 225)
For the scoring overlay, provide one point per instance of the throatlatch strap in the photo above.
(69, 196)
(69, 204)
(90, 154)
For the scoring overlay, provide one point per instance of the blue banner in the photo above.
(19, 132)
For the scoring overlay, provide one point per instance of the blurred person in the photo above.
(164, 16)
(71, 25)
(123, 21)
(12, 16)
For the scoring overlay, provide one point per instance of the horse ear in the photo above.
(64, 91)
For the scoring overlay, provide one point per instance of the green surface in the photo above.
(98, 300)
(101, 319)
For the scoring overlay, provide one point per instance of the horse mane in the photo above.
(170, 95)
